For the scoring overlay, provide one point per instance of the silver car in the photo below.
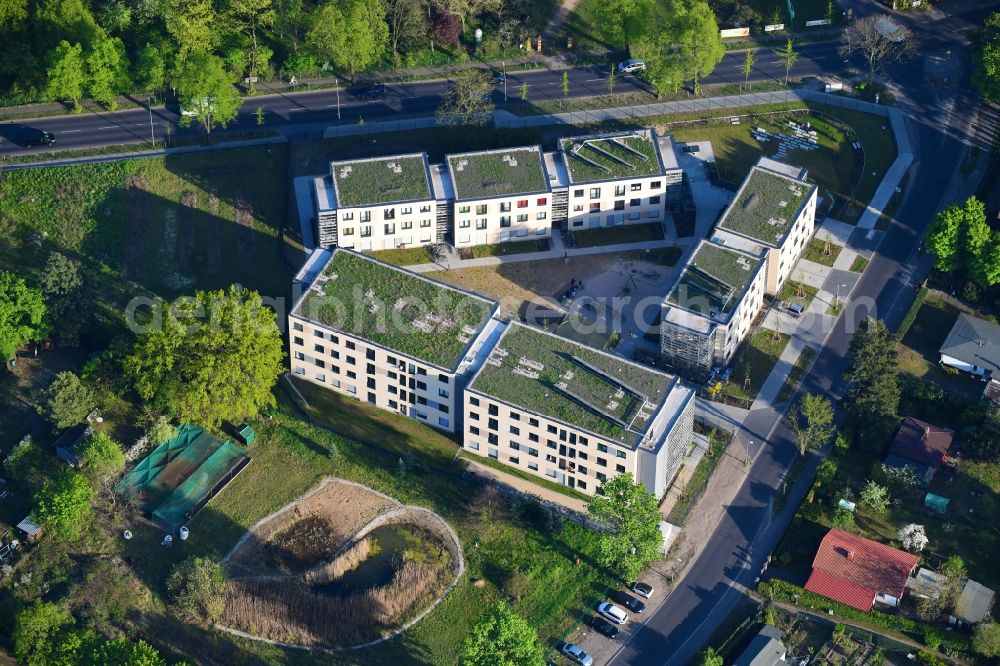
(631, 66)
(576, 653)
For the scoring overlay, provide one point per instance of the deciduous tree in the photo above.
(502, 638)
(350, 34)
(986, 640)
(63, 505)
(879, 40)
(195, 588)
(787, 56)
(248, 17)
(193, 24)
(708, 657)
(961, 239)
(874, 498)
(207, 91)
(150, 68)
(22, 315)
(624, 20)
(634, 538)
(67, 401)
(102, 458)
(812, 422)
(987, 73)
(408, 25)
(215, 358)
(468, 101)
(67, 74)
(913, 537)
(36, 629)
(747, 67)
(699, 42)
(107, 71)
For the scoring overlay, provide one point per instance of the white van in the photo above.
(613, 613)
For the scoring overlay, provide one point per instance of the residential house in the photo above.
(574, 415)
(859, 572)
(973, 346)
(385, 335)
(973, 604)
(766, 649)
(921, 446)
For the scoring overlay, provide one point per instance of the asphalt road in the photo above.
(293, 112)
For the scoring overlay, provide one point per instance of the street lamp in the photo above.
(336, 85)
(149, 105)
(836, 303)
(504, 64)
(747, 447)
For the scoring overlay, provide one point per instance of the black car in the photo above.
(498, 78)
(630, 602)
(38, 139)
(373, 91)
(602, 626)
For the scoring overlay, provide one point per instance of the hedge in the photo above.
(781, 589)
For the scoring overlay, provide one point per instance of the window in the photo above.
(336, 369)
(425, 208)
(481, 223)
(347, 231)
(300, 371)
(595, 193)
(474, 430)
(601, 462)
(505, 220)
(655, 185)
(494, 410)
(366, 232)
(366, 216)
(581, 455)
(464, 209)
(319, 363)
(370, 355)
(505, 207)
(320, 377)
(542, 201)
(583, 441)
(552, 445)
(481, 209)
(550, 459)
(514, 430)
(581, 469)
(421, 386)
(620, 469)
(473, 416)
(581, 484)
(602, 477)
(371, 397)
(443, 422)
(370, 368)
(393, 404)
(619, 190)
(389, 214)
(550, 473)
(577, 208)
(514, 459)
(407, 224)
(552, 428)
(636, 187)
(603, 448)
(533, 466)
(619, 454)
(297, 327)
(654, 200)
(392, 389)
(541, 216)
(620, 204)
(515, 446)
(522, 203)
(635, 202)
(424, 224)
(353, 390)
(492, 438)
(443, 378)
(405, 210)
(532, 437)
(533, 422)
(351, 374)
(523, 217)
(532, 452)
(350, 345)
(636, 215)
(464, 224)
(473, 445)
(474, 401)
(297, 340)
(334, 353)
(443, 393)
(654, 214)
(515, 416)
(348, 216)
(350, 360)
(595, 208)
(493, 424)
(577, 193)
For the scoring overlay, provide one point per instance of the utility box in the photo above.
(246, 433)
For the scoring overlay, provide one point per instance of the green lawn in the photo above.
(505, 249)
(756, 362)
(822, 252)
(859, 264)
(791, 290)
(625, 233)
(406, 256)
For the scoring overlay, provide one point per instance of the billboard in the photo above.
(734, 32)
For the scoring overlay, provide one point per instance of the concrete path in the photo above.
(527, 487)
(768, 394)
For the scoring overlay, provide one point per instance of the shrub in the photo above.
(986, 640)
(841, 444)
(932, 638)
(827, 471)
(63, 505)
(843, 519)
(195, 587)
(789, 592)
(162, 431)
(67, 401)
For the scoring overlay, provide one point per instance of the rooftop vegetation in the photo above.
(765, 206)
(714, 279)
(496, 173)
(395, 308)
(542, 372)
(601, 158)
(381, 180)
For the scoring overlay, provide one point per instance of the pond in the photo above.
(390, 542)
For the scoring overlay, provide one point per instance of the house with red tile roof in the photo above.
(859, 572)
(921, 446)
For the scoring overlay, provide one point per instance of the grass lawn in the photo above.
(505, 249)
(406, 256)
(625, 233)
(792, 289)
(816, 251)
(931, 325)
(699, 480)
(859, 264)
(756, 362)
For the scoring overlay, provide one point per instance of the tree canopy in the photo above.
(873, 400)
(195, 587)
(22, 315)
(214, 357)
(63, 505)
(812, 422)
(987, 73)
(631, 512)
(67, 401)
(502, 638)
(102, 458)
(206, 91)
(962, 240)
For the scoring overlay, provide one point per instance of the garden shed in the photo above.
(936, 503)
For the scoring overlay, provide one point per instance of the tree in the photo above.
(913, 537)
(502, 638)
(150, 68)
(827, 471)
(115, 16)
(408, 25)
(874, 395)
(207, 91)
(879, 40)
(986, 640)
(747, 67)
(447, 29)
(102, 458)
(162, 431)
(699, 43)
(944, 238)
(63, 505)
(468, 101)
(612, 79)
(708, 657)
(247, 17)
(123, 652)
(350, 34)
(843, 519)
(564, 84)
(634, 538)
(948, 590)
(961, 239)
(214, 370)
(61, 282)
(788, 56)
(662, 55)
(36, 629)
(12, 14)
(624, 20)
(107, 71)
(195, 588)
(66, 74)
(22, 315)
(193, 25)
(523, 94)
(987, 73)
(875, 498)
(67, 401)
(812, 422)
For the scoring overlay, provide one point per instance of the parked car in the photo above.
(690, 148)
(576, 653)
(602, 626)
(793, 309)
(38, 139)
(612, 612)
(631, 66)
(644, 590)
(498, 78)
(630, 602)
(370, 91)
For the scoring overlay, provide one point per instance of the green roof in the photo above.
(600, 157)
(579, 385)
(714, 279)
(395, 308)
(497, 172)
(381, 180)
(765, 206)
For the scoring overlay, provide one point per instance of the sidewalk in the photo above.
(526, 487)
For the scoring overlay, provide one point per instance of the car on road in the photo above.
(630, 602)
(631, 66)
(602, 626)
(371, 91)
(498, 78)
(38, 139)
(794, 309)
(612, 612)
(576, 653)
(644, 590)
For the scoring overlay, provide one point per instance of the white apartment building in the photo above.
(384, 335)
(774, 211)
(499, 196)
(574, 415)
(379, 203)
(711, 307)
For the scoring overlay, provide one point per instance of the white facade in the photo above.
(387, 227)
(502, 219)
(613, 203)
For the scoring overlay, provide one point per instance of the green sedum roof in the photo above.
(381, 180)
(605, 156)
(497, 173)
(766, 206)
(559, 378)
(714, 279)
(395, 308)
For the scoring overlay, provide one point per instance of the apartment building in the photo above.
(499, 196)
(774, 211)
(574, 415)
(711, 307)
(612, 179)
(379, 203)
(387, 336)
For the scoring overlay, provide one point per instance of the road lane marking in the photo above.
(296, 109)
(109, 127)
(70, 131)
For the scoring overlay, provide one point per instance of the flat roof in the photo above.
(323, 189)
(395, 308)
(381, 180)
(714, 280)
(561, 379)
(765, 206)
(615, 155)
(495, 173)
